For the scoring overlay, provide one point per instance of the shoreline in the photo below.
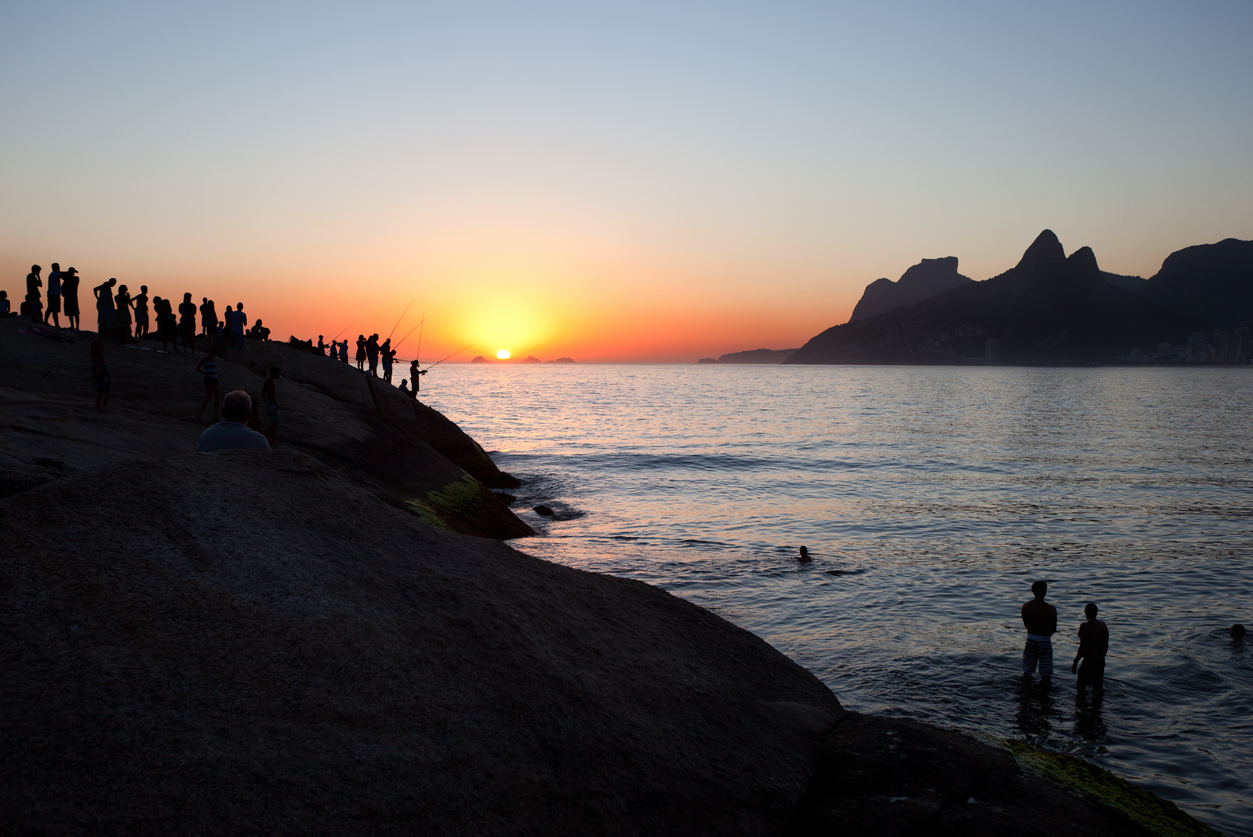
(207, 617)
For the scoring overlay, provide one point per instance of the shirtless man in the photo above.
(1093, 646)
(1040, 618)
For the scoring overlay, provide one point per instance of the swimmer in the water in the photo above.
(804, 557)
(1237, 632)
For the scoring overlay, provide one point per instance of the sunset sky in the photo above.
(610, 182)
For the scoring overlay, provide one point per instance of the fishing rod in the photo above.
(406, 337)
(345, 328)
(398, 319)
(438, 362)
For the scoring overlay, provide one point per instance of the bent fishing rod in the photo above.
(398, 319)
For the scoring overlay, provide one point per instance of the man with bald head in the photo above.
(231, 432)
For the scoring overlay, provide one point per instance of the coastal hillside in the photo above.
(1211, 283)
(922, 281)
(405, 452)
(1048, 309)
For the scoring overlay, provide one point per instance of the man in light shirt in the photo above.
(231, 433)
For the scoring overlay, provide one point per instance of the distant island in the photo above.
(1053, 309)
(527, 359)
(758, 356)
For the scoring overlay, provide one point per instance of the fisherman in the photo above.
(372, 354)
(404, 387)
(321, 346)
(361, 353)
(1040, 617)
(387, 354)
(414, 372)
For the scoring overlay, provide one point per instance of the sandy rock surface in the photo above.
(248, 643)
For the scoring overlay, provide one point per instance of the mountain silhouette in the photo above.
(1212, 284)
(922, 281)
(1048, 309)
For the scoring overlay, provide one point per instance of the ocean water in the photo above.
(930, 499)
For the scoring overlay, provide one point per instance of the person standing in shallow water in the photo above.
(1040, 617)
(1093, 646)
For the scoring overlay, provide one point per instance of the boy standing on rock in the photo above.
(1041, 621)
(269, 394)
(1093, 645)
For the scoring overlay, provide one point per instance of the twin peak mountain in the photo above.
(1048, 309)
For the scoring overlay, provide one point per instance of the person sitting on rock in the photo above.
(231, 433)
(1093, 645)
(404, 387)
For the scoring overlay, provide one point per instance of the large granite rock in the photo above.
(924, 280)
(402, 450)
(246, 643)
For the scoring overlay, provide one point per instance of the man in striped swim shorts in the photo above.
(1040, 618)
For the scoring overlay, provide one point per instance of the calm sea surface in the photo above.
(930, 499)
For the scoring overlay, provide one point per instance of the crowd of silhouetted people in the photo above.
(124, 317)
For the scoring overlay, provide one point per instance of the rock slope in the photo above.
(922, 281)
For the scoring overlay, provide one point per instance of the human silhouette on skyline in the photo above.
(54, 295)
(140, 303)
(104, 305)
(69, 298)
(187, 323)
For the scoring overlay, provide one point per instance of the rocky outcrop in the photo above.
(1048, 309)
(1128, 283)
(924, 280)
(1212, 284)
(893, 776)
(758, 356)
(399, 449)
(246, 643)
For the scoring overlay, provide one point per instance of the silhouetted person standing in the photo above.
(166, 327)
(100, 371)
(33, 299)
(54, 295)
(1040, 617)
(387, 355)
(140, 303)
(104, 306)
(187, 323)
(235, 329)
(1093, 646)
(122, 317)
(208, 366)
(414, 373)
(361, 352)
(69, 297)
(208, 317)
(372, 354)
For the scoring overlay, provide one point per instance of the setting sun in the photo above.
(503, 354)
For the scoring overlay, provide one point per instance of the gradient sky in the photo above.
(613, 182)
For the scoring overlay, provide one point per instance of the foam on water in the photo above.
(929, 500)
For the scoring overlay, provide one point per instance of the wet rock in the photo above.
(543, 510)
